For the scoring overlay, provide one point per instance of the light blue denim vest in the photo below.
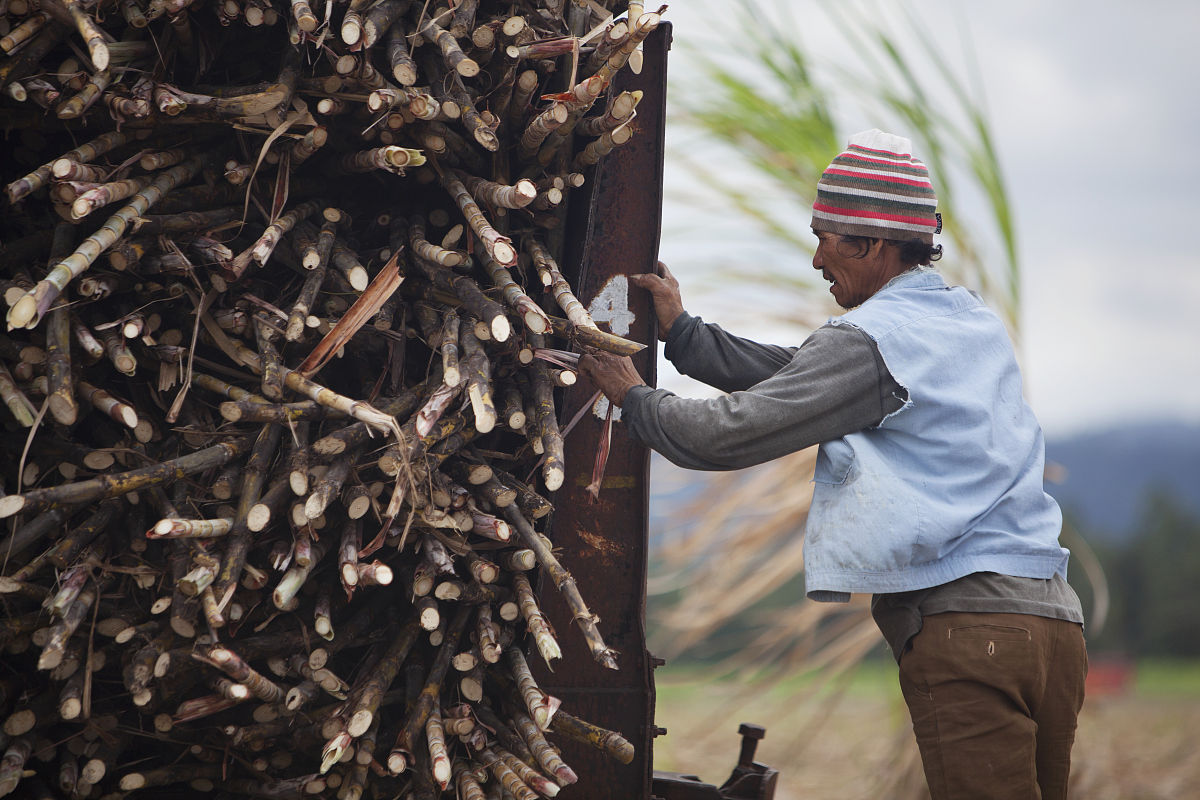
(952, 482)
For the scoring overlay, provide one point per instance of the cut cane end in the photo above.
(536, 322)
(405, 74)
(485, 422)
(314, 507)
(500, 328)
(360, 722)
(258, 517)
(49, 659)
(359, 279)
(11, 504)
(23, 313)
(132, 781)
(100, 57)
(63, 410)
(554, 478)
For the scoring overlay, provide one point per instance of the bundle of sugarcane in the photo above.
(280, 383)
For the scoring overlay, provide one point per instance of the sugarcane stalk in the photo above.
(12, 764)
(284, 596)
(565, 584)
(16, 401)
(448, 348)
(27, 534)
(69, 547)
(545, 755)
(82, 154)
(539, 628)
(361, 411)
(452, 54)
(553, 277)
(314, 280)
(479, 382)
(61, 397)
(435, 737)
(119, 352)
(28, 311)
(619, 112)
(534, 317)
(404, 69)
(602, 146)
(166, 776)
(107, 486)
(546, 423)
(390, 158)
(465, 782)
(378, 20)
(539, 128)
(531, 695)
(93, 37)
(398, 759)
(24, 31)
(498, 246)
(75, 106)
(431, 252)
(531, 777)
(261, 250)
(511, 782)
(606, 741)
(190, 528)
(328, 487)
(365, 703)
(54, 649)
(235, 667)
(270, 504)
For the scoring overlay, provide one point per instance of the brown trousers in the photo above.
(994, 699)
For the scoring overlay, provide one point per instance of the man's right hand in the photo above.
(664, 289)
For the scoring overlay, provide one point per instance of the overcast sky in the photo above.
(1097, 122)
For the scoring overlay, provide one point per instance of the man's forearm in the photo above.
(724, 361)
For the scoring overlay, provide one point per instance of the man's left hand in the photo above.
(613, 375)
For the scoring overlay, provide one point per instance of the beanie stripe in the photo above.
(912, 167)
(856, 215)
(878, 175)
(876, 188)
(923, 202)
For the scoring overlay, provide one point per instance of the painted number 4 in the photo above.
(611, 305)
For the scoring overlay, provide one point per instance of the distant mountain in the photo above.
(1101, 478)
(1108, 474)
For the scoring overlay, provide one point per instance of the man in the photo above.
(928, 486)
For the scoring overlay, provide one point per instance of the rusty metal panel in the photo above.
(613, 232)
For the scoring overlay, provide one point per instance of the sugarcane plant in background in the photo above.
(763, 101)
(281, 440)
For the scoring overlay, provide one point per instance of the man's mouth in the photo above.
(829, 277)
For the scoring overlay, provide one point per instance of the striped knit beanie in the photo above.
(876, 188)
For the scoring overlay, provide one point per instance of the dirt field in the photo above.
(1139, 744)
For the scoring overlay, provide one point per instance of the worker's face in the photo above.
(856, 269)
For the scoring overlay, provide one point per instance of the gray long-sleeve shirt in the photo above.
(780, 399)
(783, 399)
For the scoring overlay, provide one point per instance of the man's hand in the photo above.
(664, 289)
(613, 375)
